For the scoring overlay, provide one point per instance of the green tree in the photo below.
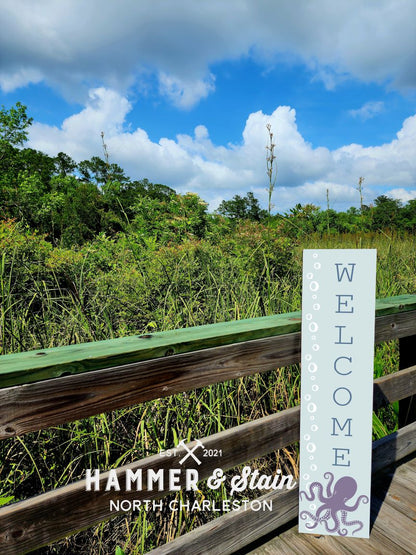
(174, 218)
(242, 208)
(409, 215)
(387, 212)
(36, 162)
(98, 171)
(302, 219)
(13, 126)
(81, 215)
(64, 165)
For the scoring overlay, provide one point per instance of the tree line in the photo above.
(71, 203)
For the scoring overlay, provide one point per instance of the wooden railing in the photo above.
(50, 387)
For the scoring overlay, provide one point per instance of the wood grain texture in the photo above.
(394, 447)
(39, 405)
(407, 407)
(48, 517)
(234, 531)
(205, 357)
(44, 364)
(399, 528)
(394, 387)
(36, 406)
(32, 366)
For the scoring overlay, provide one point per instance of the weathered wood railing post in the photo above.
(407, 407)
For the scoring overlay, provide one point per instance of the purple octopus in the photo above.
(333, 503)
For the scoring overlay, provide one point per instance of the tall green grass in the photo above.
(111, 288)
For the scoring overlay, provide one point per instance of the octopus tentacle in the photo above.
(316, 518)
(312, 496)
(362, 498)
(333, 512)
(306, 514)
(335, 519)
(323, 508)
(352, 523)
(318, 521)
(330, 476)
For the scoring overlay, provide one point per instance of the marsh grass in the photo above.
(57, 297)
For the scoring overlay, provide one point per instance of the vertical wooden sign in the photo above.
(338, 313)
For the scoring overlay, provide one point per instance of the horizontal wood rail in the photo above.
(36, 406)
(235, 530)
(103, 378)
(53, 515)
(33, 366)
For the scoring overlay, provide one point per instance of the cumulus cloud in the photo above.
(402, 194)
(73, 45)
(368, 110)
(79, 134)
(389, 164)
(184, 93)
(10, 81)
(194, 163)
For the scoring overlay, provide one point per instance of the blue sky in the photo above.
(184, 90)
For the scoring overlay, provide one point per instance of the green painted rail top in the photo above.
(33, 366)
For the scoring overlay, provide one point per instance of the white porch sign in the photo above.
(338, 311)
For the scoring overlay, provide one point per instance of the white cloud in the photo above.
(392, 163)
(184, 93)
(80, 134)
(402, 194)
(73, 44)
(10, 81)
(194, 163)
(368, 110)
(340, 195)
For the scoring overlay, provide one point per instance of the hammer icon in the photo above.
(190, 452)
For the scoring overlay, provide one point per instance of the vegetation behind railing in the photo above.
(228, 351)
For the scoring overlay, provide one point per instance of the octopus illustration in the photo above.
(334, 505)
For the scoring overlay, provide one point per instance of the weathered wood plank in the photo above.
(274, 546)
(394, 386)
(394, 326)
(406, 475)
(301, 544)
(412, 465)
(407, 407)
(394, 524)
(314, 543)
(74, 359)
(401, 495)
(48, 517)
(329, 545)
(378, 544)
(248, 526)
(223, 535)
(39, 405)
(393, 305)
(44, 364)
(394, 447)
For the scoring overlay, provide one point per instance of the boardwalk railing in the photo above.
(54, 386)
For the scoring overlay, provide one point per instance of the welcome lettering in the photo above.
(338, 305)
